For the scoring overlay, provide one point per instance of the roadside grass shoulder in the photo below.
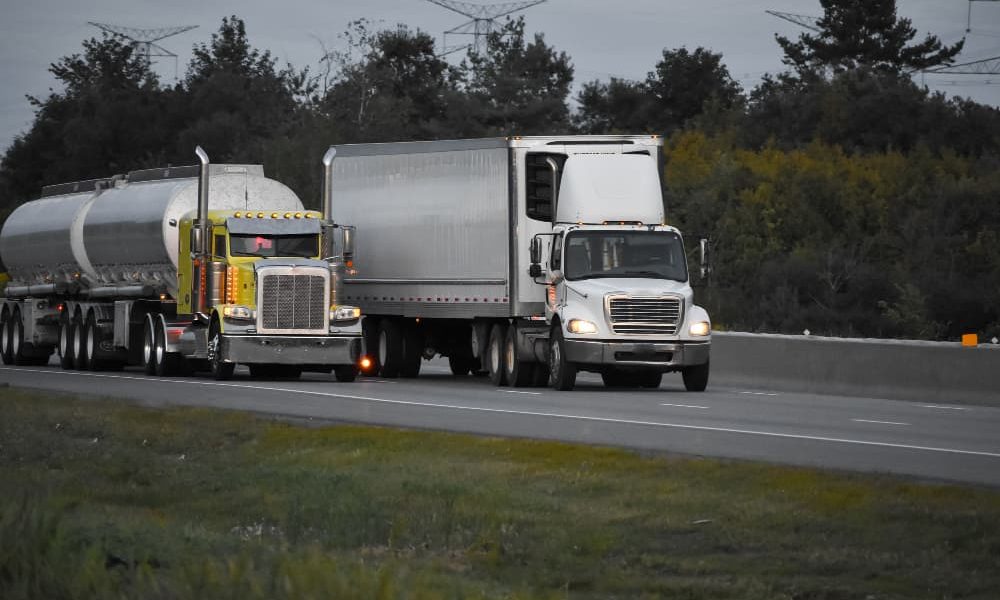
(102, 498)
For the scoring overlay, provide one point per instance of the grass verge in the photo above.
(104, 499)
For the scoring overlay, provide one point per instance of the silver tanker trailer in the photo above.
(178, 269)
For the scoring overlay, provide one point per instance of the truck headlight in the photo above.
(345, 313)
(581, 326)
(239, 313)
(700, 328)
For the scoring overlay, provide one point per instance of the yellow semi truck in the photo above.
(179, 270)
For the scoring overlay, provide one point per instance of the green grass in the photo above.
(103, 499)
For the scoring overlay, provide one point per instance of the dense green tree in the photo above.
(683, 87)
(109, 116)
(864, 33)
(519, 87)
(237, 99)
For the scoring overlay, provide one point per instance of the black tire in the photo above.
(650, 380)
(460, 364)
(345, 373)
(520, 373)
(413, 351)
(67, 360)
(495, 354)
(695, 378)
(81, 361)
(220, 370)
(540, 376)
(5, 327)
(91, 343)
(370, 332)
(390, 348)
(562, 373)
(149, 346)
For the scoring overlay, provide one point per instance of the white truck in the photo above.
(530, 258)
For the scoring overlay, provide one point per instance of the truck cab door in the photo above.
(555, 289)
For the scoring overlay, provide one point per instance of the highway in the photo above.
(939, 441)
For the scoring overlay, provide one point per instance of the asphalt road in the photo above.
(936, 441)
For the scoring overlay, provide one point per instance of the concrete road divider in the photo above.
(944, 372)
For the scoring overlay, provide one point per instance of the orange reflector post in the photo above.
(970, 339)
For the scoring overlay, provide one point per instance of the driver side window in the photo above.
(556, 263)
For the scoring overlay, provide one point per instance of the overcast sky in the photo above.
(604, 38)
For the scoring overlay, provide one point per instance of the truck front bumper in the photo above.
(292, 350)
(666, 356)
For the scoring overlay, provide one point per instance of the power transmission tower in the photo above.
(144, 40)
(986, 66)
(968, 23)
(482, 21)
(800, 20)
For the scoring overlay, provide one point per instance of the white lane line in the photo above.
(792, 436)
(759, 393)
(878, 422)
(683, 405)
(945, 407)
(519, 392)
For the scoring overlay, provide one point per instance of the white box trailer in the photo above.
(447, 234)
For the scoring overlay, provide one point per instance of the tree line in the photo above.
(841, 197)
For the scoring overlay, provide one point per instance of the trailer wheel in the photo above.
(345, 373)
(520, 373)
(695, 378)
(221, 370)
(90, 343)
(67, 360)
(562, 373)
(495, 355)
(390, 348)
(149, 346)
(5, 327)
(76, 328)
(16, 343)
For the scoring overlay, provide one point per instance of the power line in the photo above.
(144, 40)
(986, 66)
(482, 21)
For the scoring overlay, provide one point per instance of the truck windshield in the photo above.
(305, 246)
(653, 254)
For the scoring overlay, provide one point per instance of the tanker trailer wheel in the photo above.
(519, 373)
(346, 373)
(149, 346)
(390, 348)
(76, 343)
(413, 351)
(221, 370)
(91, 343)
(5, 326)
(67, 359)
(695, 378)
(562, 373)
(495, 355)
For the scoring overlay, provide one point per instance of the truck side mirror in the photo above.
(347, 239)
(535, 250)
(706, 258)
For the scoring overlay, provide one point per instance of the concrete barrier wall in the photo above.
(944, 372)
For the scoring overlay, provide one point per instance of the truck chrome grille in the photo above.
(645, 315)
(293, 303)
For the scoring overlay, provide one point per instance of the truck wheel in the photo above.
(390, 348)
(345, 373)
(540, 375)
(221, 371)
(91, 343)
(149, 346)
(695, 378)
(16, 343)
(413, 351)
(76, 343)
(495, 355)
(562, 373)
(519, 373)
(5, 355)
(67, 359)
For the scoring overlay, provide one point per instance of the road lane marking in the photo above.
(945, 407)
(759, 393)
(878, 422)
(519, 392)
(683, 405)
(793, 436)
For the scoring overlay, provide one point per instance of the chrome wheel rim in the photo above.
(383, 352)
(161, 347)
(91, 333)
(4, 332)
(147, 344)
(15, 338)
(63, 339)
(77, 342)
(510, 355)
(495, 355)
